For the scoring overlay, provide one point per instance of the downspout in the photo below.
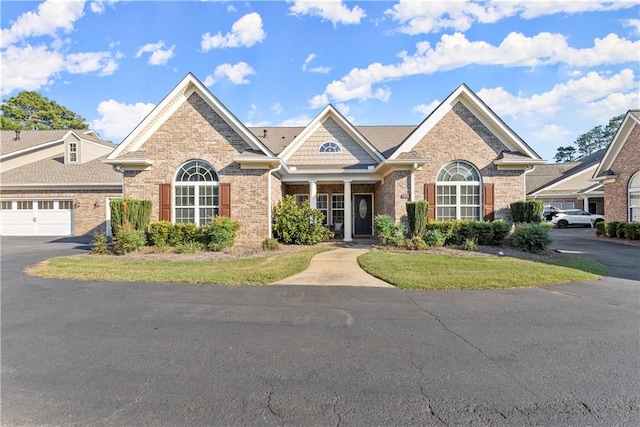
(412, 183)
(269, 201)
(527, 170)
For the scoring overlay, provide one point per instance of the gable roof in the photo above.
(631, 119)
(31, 140)
(545, 177)
(53, 172)
(482, 112)
(330, 112)
(179, 95)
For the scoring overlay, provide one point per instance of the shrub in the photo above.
(183, 233)
(527, 211)
(417, 215)
(612, 228)
(457, 232)
(270, 245)
(632, 231)
(620, 232)
(415, 243)
(128, 239)
(500, 232)
(220, 233)
(388, 231)
(600, 228)
(299, 225)
(532, 238)
(469, 245)
(434, 238)
(189, 247)
(133, 211)
(100, 244)
(158, 232)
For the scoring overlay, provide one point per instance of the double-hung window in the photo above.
(634, 198)
(322, 204)
(196, 193)
(337, 208)
(458, 192)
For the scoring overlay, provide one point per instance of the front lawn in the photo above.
(252, 271)
(430, 271)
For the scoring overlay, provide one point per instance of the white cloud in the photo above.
(426, 109)
(611, 105)
(320, 70)
(634, 24)
(319, 101)
(330, 10)
(89, 62)
(590, 89)
(245, 32)
(417, 17)
(301, 120)
(49, 17)
(118, 119)
(158, 55)
(456, 51)
(98, 6)
(276, 108)
(17, 60)
(235, 73)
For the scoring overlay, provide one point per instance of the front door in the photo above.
(363, 211)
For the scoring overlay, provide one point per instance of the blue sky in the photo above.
(550, 70)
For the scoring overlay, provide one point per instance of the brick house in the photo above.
(619, 172)
(194, 159)
(54, 182)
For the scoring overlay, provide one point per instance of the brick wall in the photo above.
(625, 166)
(195, 131)
(460, 136)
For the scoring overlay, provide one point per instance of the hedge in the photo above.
(527, 211)
(458, 232)
(130, 211)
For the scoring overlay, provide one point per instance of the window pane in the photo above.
(470, 213)
(24, 205)
(184, 215)
(301, 198)
(207, 214)
(65, 205)
(185, 196)
(445, 213)
(6, 205)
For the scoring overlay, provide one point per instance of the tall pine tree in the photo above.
(32, 111)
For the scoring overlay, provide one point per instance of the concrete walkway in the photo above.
(338, 267)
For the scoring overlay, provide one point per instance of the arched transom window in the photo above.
(458, 192)
(330, 147)
(196, 190)
(634, 198)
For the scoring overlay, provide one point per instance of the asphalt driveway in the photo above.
(94, 353)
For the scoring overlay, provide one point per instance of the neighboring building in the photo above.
(619, 172)
(568, 185)
(53, 182)
(194, 159)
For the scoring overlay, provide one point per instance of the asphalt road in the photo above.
(134, 354)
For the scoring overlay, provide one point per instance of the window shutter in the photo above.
(487, 202)
(165, 202)
(430, 197)
(225, 199)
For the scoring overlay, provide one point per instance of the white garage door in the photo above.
(36, 218)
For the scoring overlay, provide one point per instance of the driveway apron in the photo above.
(338, 267)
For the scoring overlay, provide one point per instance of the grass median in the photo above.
(445, 272)
(249, 271)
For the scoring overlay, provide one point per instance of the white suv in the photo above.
(563, 219)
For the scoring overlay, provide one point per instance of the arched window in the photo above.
(196, 192)
(458, 192)
(634, 198)
(330, 147)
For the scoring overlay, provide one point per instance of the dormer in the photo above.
(72, 149)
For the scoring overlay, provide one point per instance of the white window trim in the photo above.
(458, 185)
(196, 194)
(634, 190)
(339, 209)
(75, 151)
(327, 210)
(336, 145)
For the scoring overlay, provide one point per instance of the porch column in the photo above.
(348, 217)
(313, 195)
(585, 204)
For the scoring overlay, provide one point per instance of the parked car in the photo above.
(564, 219)
(548, 213)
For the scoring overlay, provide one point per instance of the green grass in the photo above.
(252, 271)
(443, 272)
